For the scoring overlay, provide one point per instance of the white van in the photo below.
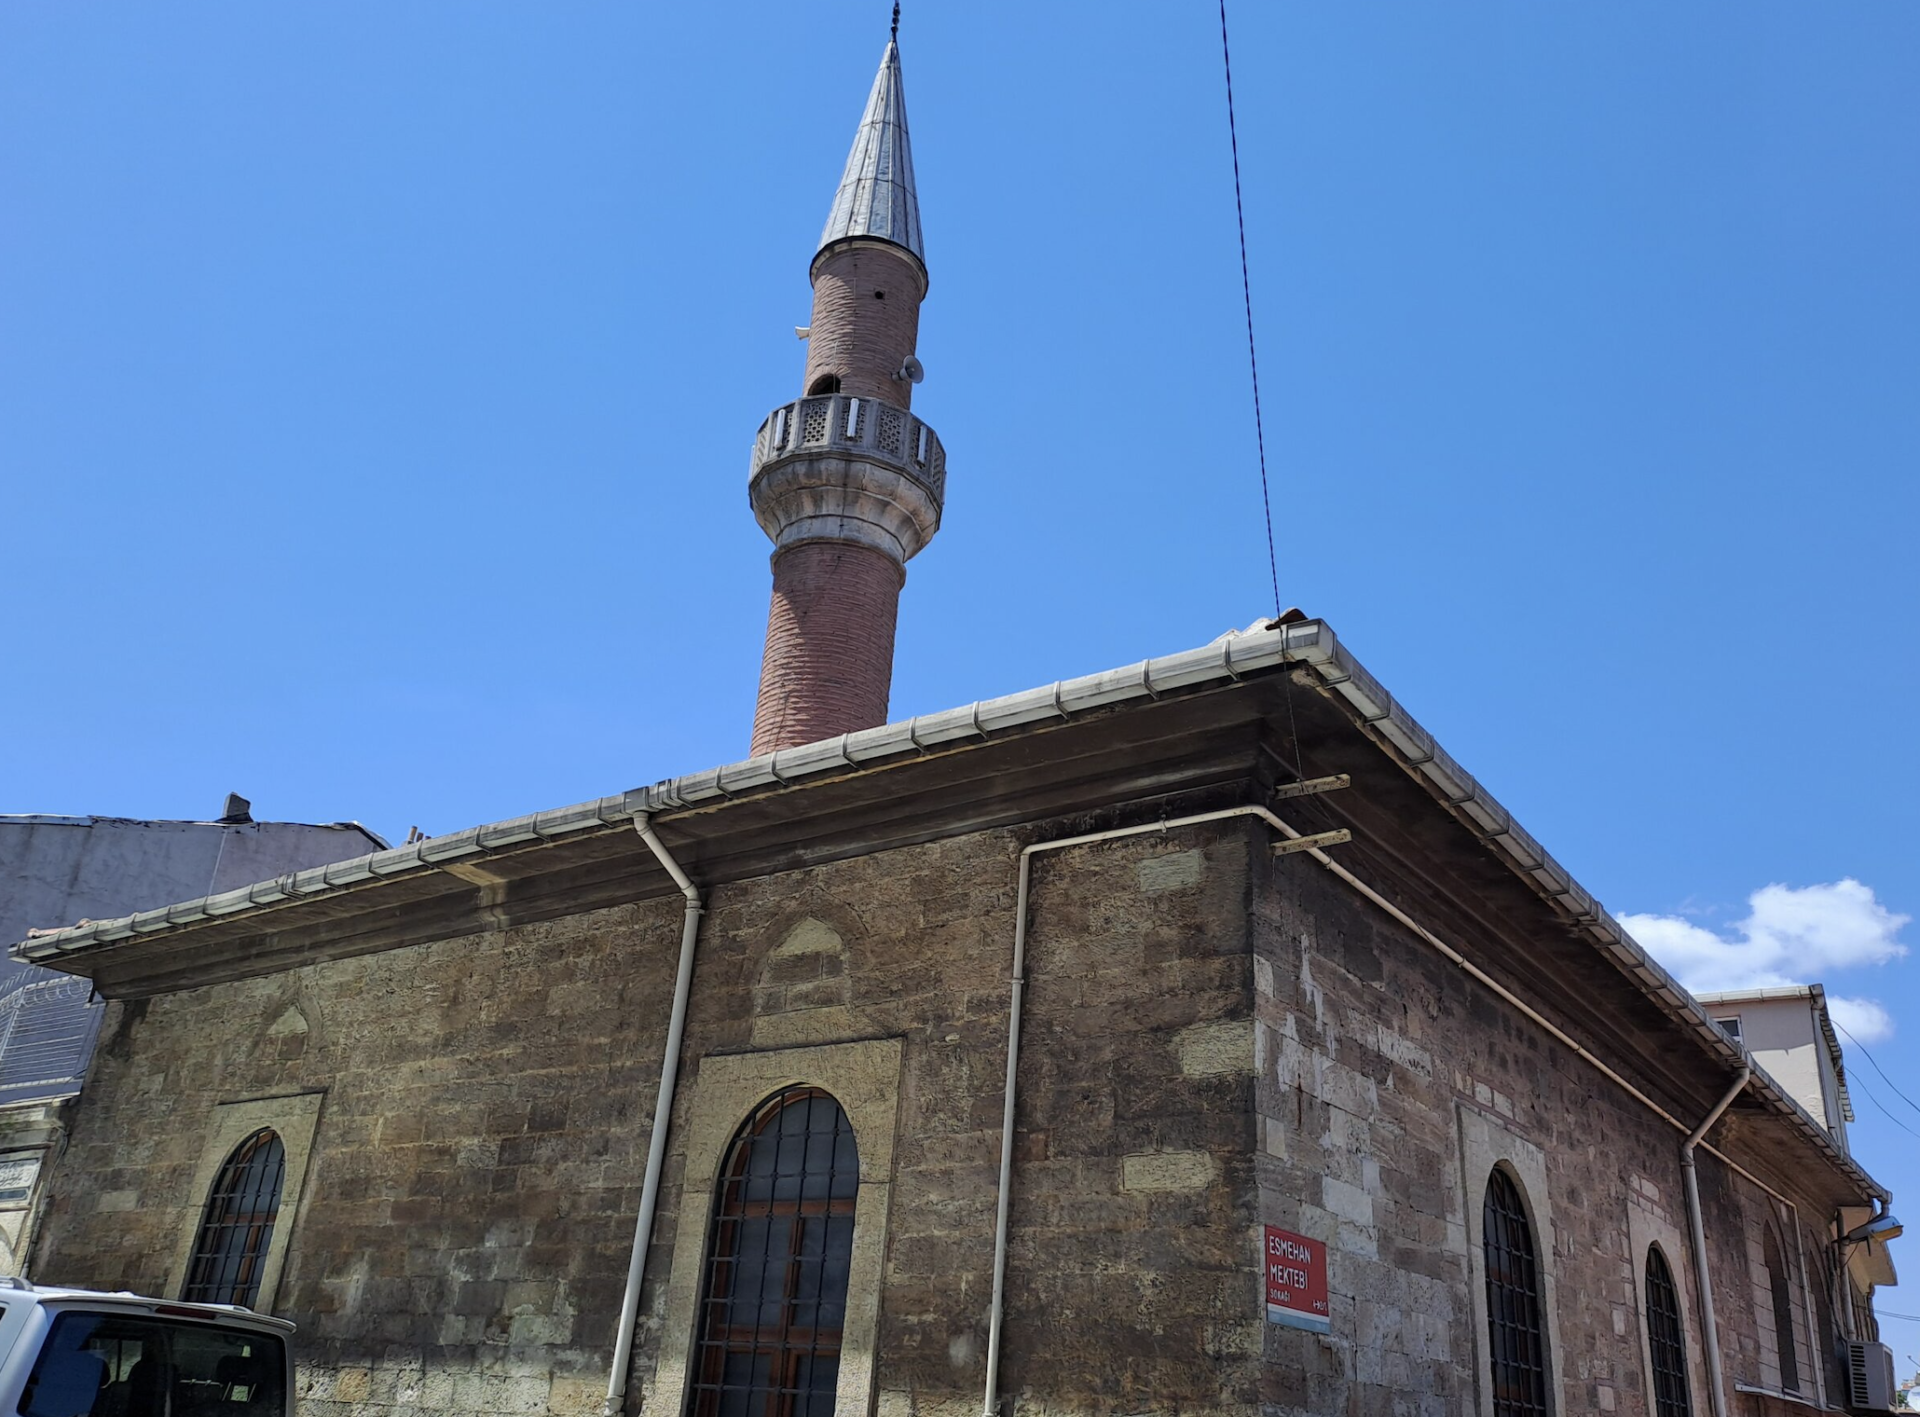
(77, 1353)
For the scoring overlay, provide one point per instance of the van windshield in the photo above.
(132, 1365)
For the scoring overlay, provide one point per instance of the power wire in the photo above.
(1246, 289)
(1883, 1108)
(1877, 1068)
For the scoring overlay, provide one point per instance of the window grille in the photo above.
(1666, 1341)
(890, 426)
(1782, 1313)
(774, 1296)
(231, 1249)
(813, 420)
(1517, 1337)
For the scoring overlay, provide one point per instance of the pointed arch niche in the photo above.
(731, 1101)
(1777, 1316)
(804, 991)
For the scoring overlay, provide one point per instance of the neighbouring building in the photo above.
(1790, 1033)
(57, 871)
(1196, 1037)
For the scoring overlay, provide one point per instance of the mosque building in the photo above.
(1196, 1037)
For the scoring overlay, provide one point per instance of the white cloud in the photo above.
(1789, 936)
(1863, 1018)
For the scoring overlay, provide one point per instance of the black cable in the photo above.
(1246, 289)
(1883, 1107)
(1876, 1067)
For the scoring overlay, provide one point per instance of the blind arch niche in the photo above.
(1780, 1293)
(773, 1294)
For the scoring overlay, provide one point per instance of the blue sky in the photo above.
(377, 381)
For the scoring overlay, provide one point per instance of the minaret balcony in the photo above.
(837, 467)
(841, 422)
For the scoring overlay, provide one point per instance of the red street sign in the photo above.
(1296, 1269)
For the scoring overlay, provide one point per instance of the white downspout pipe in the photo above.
(1703, 1276)
(662, 1112)
(998, 1311)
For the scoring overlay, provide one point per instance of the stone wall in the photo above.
(483, 1107)
(1213, 1039)
(464, 1224)
(1389, 1086)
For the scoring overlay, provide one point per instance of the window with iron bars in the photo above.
(230, 1252)
(774, 1296)
(1517, 1339)
(1666, 1340)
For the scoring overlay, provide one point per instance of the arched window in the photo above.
(774, 1298)
(1517, 1338)
(1777, 1281)
(825, 384)
(231, 1249)
(1666, 1340)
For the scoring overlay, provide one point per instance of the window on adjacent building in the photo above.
(1730, 1026)
(1515, 1328)
(230, 1251)
(1778, 1282)
(1666, 1341)
(774, 1295)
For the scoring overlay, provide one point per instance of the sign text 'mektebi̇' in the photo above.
(1296, 1270)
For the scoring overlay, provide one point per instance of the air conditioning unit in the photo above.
(1869, 1377)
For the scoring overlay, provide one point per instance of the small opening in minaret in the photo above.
(879, 295)
(825, 384)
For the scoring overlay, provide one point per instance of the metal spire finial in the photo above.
(896, 19)
(876, 196)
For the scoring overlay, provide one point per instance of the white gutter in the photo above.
(662, 1113)
(1702, 1274)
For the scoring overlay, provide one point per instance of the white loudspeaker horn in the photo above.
(912, 370)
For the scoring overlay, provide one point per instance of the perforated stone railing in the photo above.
(867, 428)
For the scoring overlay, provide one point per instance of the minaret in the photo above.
(845, 480)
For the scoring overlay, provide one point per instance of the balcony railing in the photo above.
(867, 427)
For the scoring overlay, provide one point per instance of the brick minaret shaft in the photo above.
(845, 480)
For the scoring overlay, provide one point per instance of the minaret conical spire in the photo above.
(876, 197)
